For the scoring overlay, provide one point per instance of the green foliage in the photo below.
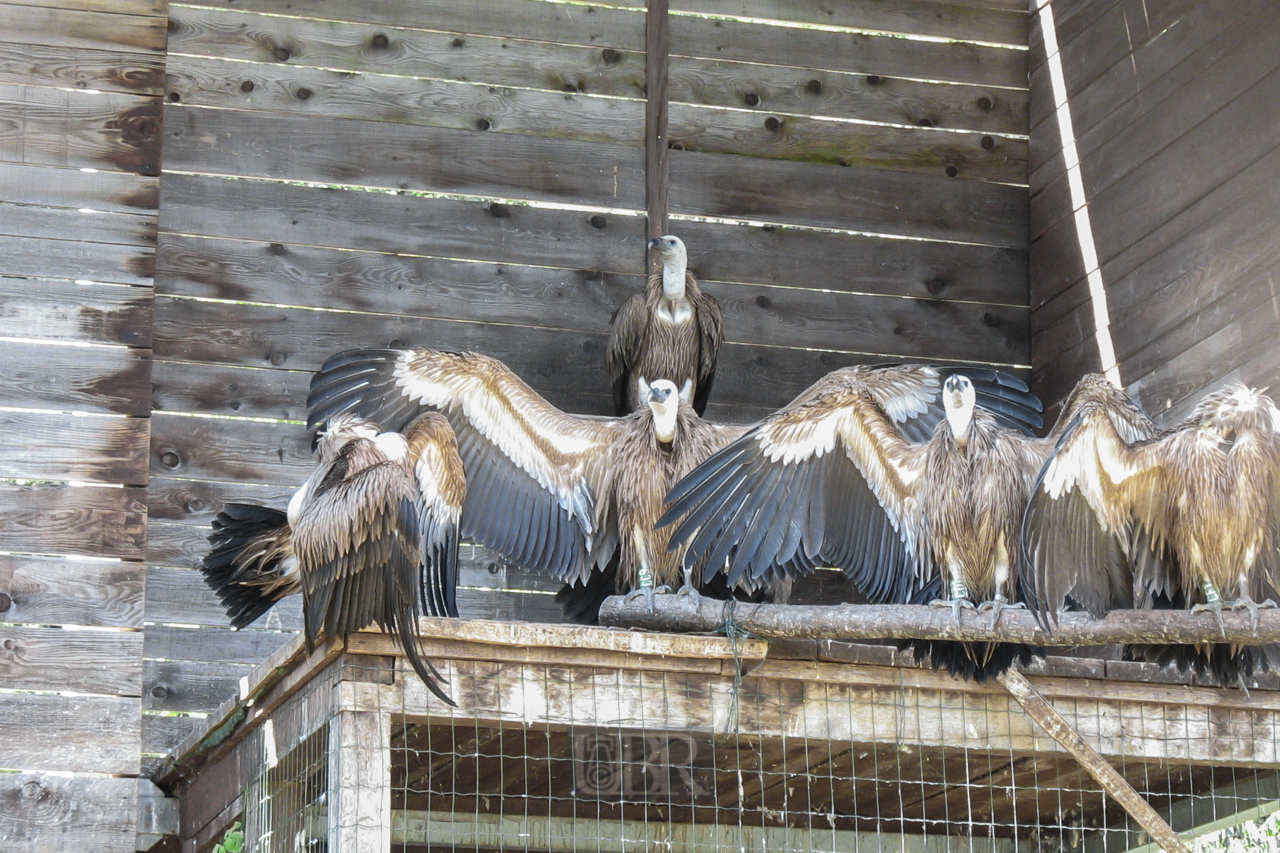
(232, 841)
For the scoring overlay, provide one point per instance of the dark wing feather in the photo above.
(249, 564)
(626, 331)
(710, 339)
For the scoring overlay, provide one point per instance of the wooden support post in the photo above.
(657, 43)
(1111, 781)
(360, 782)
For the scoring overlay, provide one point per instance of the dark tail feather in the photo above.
(248, 547)
(977, 662)
(401, 607)
(1218, 663)
(580, 603)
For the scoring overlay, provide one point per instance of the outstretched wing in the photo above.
(829, 479)
(627, 328)
(536, 476)
(441, 491)
(911, 394)
(358, 546)
(1093, 532)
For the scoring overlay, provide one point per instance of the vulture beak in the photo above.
(655, 243)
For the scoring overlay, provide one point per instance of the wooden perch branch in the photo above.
(902, 622)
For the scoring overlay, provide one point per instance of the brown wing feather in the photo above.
(625, 335)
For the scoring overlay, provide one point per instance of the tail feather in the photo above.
(250, 561)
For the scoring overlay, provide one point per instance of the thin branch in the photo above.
(901, 622)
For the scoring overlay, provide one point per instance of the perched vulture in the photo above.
(671, 331)
(552, 492)
(1125, 517)
(892, 474)
(370, 537)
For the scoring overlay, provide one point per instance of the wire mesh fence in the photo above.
(580, 757)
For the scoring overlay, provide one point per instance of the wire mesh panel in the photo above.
(687, 755)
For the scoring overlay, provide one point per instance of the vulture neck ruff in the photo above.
(959, 400)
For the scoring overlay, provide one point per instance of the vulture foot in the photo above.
(689, 591)
(955, 604)
(1247, 603)
(1216, 608)
(998, 605)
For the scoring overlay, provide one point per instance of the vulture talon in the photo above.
(955, 604)
(998, 605)
(1216, 608)
(688, 590)
(1253, 607)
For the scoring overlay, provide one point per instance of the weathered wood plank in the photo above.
(884, 56)
(161, 732)
(231, 450)
(46, 732)
(94, 522)
(71, 29)
(93, 379)
(853, 199)
(944, 20)
(63, 310)
(46, 591)
(56, 127)
(475, 230)
(375, 48)
(104, 71)
(107, 192)
(400, 156)
(61, 446)
(792, 257)
(56, 659)
(967, 156)
(70, 259)
(212, 644)
(84, 225)
(198, 501)
(121, 7)
(559, 23)
(189, 685)
(181, 597)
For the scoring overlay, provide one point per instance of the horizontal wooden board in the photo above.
(233, 450)
(377, 49)
(106, 192)
(71, 378)
(70, 259)
(55, 659)
(212, 644)
(790, 257)
(924, 151)
(198, 501)
(61, 446)
(958, 21)
(398, 156)
(411, 102)
(56, 127)
(162, 732)
(884, 56)
(48, 591)
(181, 597)
(190, 685)
(122, 7)
(93, 522)
(78, 734)
(475, 230)
(57, 223)
(63, 310)
(853, 199)
(72, 29)
(103, 71)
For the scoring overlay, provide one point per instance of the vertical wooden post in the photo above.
(360, 782)
(1039, 709)
(657, 43)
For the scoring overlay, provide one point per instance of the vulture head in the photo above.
(664, 401)
(958, 398)
(675, 261)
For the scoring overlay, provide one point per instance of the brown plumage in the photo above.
(250, 564)
(571, 496)
(1183, 519)
(670, 331)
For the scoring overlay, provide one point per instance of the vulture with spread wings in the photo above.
(912, 479)
(370, 537)
(1123, 516)
(552, 492)
(670, 331)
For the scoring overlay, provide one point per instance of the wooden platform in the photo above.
(563, 733)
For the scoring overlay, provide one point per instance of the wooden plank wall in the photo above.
(1173, 106)
(80, 89)
(342, 175)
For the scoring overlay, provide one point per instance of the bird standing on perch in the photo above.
(670, 331)
(1124, 517)
(370, 537)
(895, 475)
(552, 492)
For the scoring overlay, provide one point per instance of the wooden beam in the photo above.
(657, 49)
(1111, 781)
(918, 622)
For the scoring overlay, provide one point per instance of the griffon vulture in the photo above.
(1124, 517)
(371, 536)
(670, 331)
(894, 475)
(552, 492)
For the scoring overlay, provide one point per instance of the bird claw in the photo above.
(997, 606)
(1253, 607)
(689, 591)
(955, 604)
(1216, 608)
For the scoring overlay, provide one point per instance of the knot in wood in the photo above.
(170, 459)
(10, 644)
(935, 285)
(175, 98)
(483, 124)
(159, 691)
(598, 221)
(281, 54)
(751, 99)
(990, 319)
(499, 211)
(988, 142)
(873, 79)
(303, 94)
(984, 103)
(772, 124)
(380, 41)
(925, 122)
(6, 601)
(458, 42)
(952, 171)
(610, 56)
(247, 86)
(278, 358)
(814, 87)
